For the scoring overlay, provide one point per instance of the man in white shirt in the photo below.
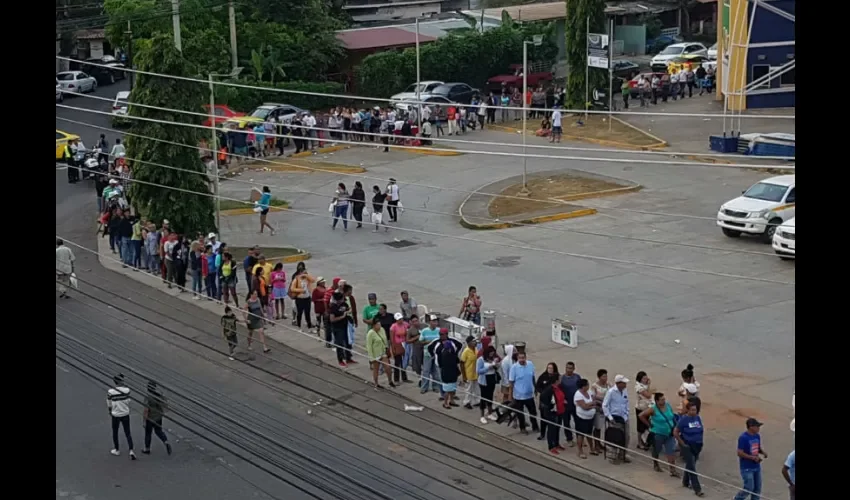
(64, 268)
(118, 402)
(392, 200)
(556, 125)
(674, 85)
(309, 121)
(426, 113)
(117, 150)
(212, 240)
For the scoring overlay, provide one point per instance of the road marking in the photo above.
(59, 365)
(62, 168)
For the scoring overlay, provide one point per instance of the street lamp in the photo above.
(537, 40)
(213, 149)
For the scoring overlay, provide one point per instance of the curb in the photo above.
(599, 194)
(660, 143)
(581, 212)
(291, 259)
(249, 211)
(283, 167)
(428, 152)
(328, 149)
(600, 142)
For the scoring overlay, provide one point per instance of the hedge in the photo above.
(469, 57)
(245, 100)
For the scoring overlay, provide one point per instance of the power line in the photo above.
(384, 99)
(466, 141)
(466, 151)
(460, 390)
(496, 243)
(365, 176)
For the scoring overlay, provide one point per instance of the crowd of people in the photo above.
(669, 85)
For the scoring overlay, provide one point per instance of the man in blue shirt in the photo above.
(615, 407)
(750, 453)
(788, 473)
(689, 433)
(522, 380)
(429, 367)
(569, 384)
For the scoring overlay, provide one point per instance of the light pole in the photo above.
(536, 40)
(213, 145)
(418, 80)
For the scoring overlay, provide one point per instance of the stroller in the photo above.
(615, 433)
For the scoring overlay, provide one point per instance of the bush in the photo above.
(470, 58)
(243, 99)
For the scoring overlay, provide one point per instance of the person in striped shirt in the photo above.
(118, 403)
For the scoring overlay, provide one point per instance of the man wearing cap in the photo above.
(615, 406)
(215, 243)
(750, 453)
(430, 373)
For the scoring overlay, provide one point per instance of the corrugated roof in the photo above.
(558, 10)
(377, 38)
(92, 34)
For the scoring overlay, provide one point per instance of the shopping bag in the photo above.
(400, 207)
(73, 280)
(258, 209)
(377, 217)
(331, 207)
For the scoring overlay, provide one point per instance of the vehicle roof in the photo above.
(67, 134)
(68, 73)
(123, 94)
(277, 105)
(683, 44)
(781, 180)
(428, 82)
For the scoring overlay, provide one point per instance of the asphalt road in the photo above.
(282, 426)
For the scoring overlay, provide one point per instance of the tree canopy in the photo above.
(578, 12)
(186, 211)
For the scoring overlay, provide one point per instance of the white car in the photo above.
(76, 82)
(59, 96)
(760, 209)
(660, 61)
(784, 240)
(119, 107)
(430, 99)
(712, 52)
(410, 92)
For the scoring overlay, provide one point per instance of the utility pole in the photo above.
(232, 14)
(175, 21)
(214, 152)
(129, 34)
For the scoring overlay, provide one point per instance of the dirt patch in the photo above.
(544, 188)
(596, 128)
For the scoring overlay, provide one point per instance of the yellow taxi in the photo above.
(689, 62)
(62, 139)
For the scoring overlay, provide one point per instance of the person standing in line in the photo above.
(689, 433)
(398, 336)
(487, 366)
(626, 91)
(299, 290)
(644, 391)
(155, 406)
(445, 352)
(655, 87)
(326, 319)
(407, 306)
(376, 349)
(339, 319)
(254, 318)
(615, 406)
(553, 406)
(469, 361)
(750, 454)
(228, 278)
(689, 81)
(482, 113)
(546, 379)
(125, 232)
(248, 265)
(585, 411)
(556, 125)
(569, 383)
(318, 298)
(136, 243)
(522, 382)
(64, 268)
(264, 204)
(674, 85)
(348, 296)
(660, 419)
(278, 279)
(228, 330)
(393, 200)
(118, 403)
(700, 79)
(358, 200)
(788, 472)
(378, 199)
(430, 372)
(340, 206)
(168, 255)
(413, 345)
(506, 386)
(212, 277)
(504, 103)
(598, 390)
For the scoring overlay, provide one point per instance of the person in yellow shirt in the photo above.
(469, 362)
(267, 268)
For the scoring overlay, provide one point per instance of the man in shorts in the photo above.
(556, 125)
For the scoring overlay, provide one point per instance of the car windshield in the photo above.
(441, 90)
(766, 192)
(65, 77)
(713, 47)
(671, 51)
(261, 113)
(412, 88)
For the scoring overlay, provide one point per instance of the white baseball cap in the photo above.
(621, 378)
(211, 235)
(398, 316)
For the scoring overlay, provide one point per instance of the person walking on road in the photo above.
(228, 330)
(118, 403)
(689, 433)
(64, 268)
(255, 319)
(264, 204)
(750, 454)
(358, 201)
(340, 206)
(155, 406)
(378, 199)
(393, 200)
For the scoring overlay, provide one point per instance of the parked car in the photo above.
(761, 209)
(59, 96)
(120, 109)
(222, 114)
(76, 82)
(784, 241)
(428, 98)
(660, 61)
(515, 79)
(106, 70)
(693, 62)
(712, 52)
(410, 92)
(62, 139)
(267, 111)
(456, 92)
(625, 69)
(654, 45)
(633, 90)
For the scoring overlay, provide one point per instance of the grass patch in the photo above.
(232, 204)
(543, 188)
(271, 253)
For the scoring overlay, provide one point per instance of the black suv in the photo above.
(113, 71)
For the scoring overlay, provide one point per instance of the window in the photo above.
(59, 136)
(766, 192)
(218, 111)
(788, 79)
(792, 196)
(82, 76)
(65, 77)
(759, 71)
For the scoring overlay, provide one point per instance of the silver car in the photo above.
(76, 82)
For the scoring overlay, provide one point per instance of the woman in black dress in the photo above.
(358, 198)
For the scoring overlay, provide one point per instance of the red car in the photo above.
(222, 114)
(633, 82)
(535, 78)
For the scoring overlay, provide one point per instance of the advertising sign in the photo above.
(597, 50)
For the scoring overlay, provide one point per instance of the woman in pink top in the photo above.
(398, 335)
(278, 279)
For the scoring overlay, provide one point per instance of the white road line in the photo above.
(59, 365)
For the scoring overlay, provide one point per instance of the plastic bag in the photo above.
(74, 283)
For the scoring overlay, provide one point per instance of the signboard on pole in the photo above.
(597, 50)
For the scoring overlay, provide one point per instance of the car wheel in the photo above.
(730, 232)
(767, 236)
(94, 85)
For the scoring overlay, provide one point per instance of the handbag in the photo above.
(398, 350)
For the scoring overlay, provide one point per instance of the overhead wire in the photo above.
(353, 352)
(463, 141)
(386, 179)
(611, 260)
(444, 150)
(104, 20)
(411, 101)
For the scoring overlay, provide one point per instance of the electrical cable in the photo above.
(94, 22)
(384, 99)
(562, 253)
(463, 151)
(463, 141)
(366, 176)
(353, 352)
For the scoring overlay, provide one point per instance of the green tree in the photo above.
(578, 12)
(186, 211)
